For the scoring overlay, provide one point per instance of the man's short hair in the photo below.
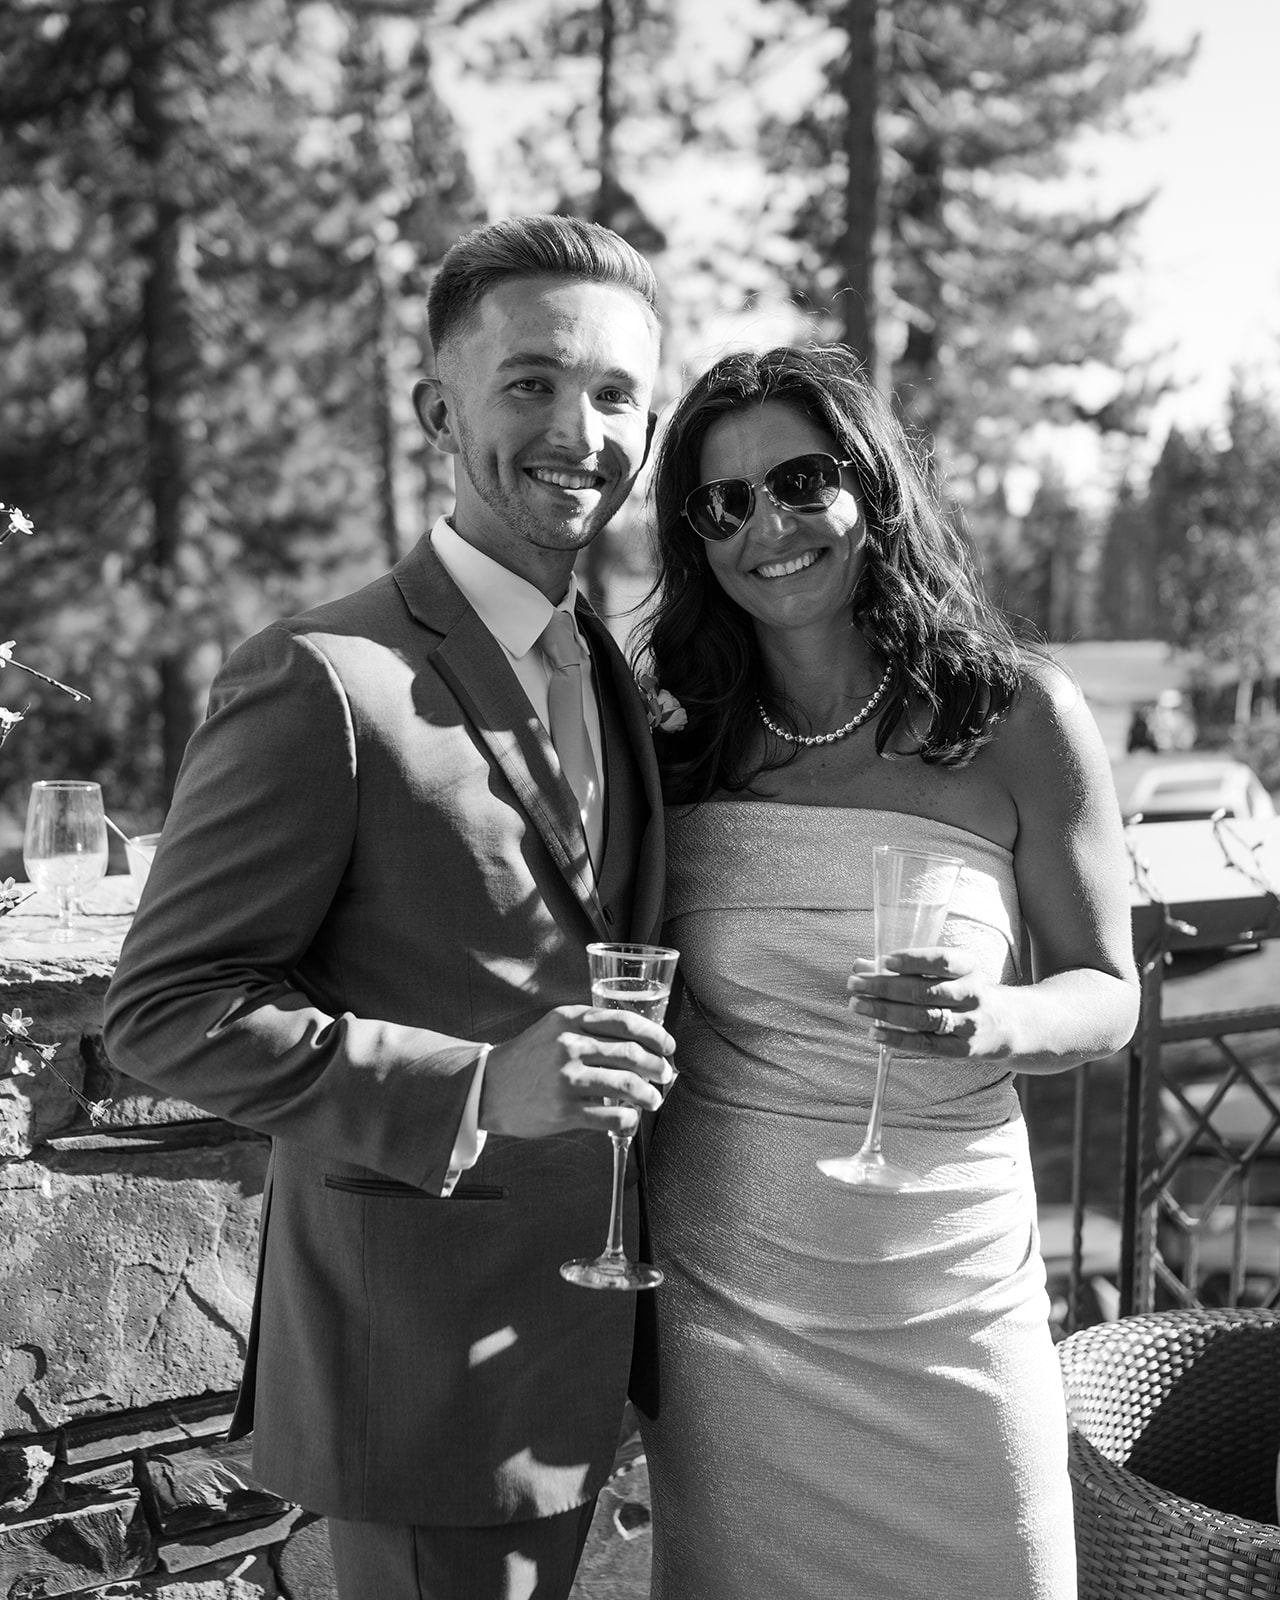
(530, 247)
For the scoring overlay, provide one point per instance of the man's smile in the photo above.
(566, 478)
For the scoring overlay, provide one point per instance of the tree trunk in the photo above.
(916, 377)
(383, 424)
(608, 112)
(1244, 699)
(170, 362)
(862, 184)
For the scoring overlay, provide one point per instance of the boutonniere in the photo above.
(664, 711)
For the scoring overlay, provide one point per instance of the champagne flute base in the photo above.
(869, 1172)
(82, 933)
(606, 1273)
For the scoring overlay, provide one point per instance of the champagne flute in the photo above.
(912, 892)
(624, 977)
(64, 849)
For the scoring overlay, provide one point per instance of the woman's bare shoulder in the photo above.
(1048, 702)
(1049, 747)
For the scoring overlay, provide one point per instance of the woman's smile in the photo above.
(784, 569)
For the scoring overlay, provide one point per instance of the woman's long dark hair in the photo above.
(918, 601)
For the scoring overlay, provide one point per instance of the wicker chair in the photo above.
(1175, 1431)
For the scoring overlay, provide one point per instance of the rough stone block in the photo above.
(128, 1280)
(106, 1438)
(64, 994)
(79, 1548)
(97, 1481)
(247, 1577)
(304, 1566)
(39, 1106)
(205, 1484)
(168, 1136)
(618, 1554)
(23, 1471)
(233, 1538)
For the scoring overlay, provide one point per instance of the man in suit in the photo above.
(364, 934)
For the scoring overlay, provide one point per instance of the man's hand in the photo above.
(558, 1074)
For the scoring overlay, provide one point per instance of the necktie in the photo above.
(566, 654)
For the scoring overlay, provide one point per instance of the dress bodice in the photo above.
(770, 905)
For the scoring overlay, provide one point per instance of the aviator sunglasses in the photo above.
(805, 483)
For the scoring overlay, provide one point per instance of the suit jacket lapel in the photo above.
(473, 664)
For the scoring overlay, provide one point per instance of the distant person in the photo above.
(1172, 725)
(364, 934)
(860, 1395)
(1140, 736)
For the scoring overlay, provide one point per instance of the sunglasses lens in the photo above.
(805, 483)
(718, 510)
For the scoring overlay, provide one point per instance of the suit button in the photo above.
(608, 917)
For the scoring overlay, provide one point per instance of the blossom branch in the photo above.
(7, 660)
(17, 1038)
(18, 522)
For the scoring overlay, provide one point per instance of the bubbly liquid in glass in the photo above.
(907, 927)
(641, 995)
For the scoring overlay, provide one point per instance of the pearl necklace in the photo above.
(839, 733)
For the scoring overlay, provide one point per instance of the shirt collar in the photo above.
(513, 610)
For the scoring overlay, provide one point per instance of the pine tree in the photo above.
(1041, 576)
(1220, 581)
(994, 281)
(1126, 588)
(216, 224)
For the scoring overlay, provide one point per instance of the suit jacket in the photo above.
(372, 865)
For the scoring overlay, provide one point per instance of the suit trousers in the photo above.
(533, 1560)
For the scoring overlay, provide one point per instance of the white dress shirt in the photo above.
(515, 613)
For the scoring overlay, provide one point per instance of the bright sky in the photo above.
(1209, 291)
(1206, 291)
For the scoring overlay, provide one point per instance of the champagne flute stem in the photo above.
(871, 1144)
(621, 1143)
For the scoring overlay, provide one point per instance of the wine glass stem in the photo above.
(66, 909)
(621, 1145)
(871, 1144)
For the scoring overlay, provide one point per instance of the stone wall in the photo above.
(127, 1252)
(128, 1244)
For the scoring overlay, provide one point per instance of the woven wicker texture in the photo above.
(1175, 1420)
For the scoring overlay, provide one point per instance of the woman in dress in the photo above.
(859, 1394)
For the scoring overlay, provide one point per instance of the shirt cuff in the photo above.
(471, 1136)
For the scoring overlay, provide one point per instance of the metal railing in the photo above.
(1199, 1192)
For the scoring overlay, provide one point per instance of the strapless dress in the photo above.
(860, 1398)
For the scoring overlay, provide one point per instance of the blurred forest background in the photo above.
(218, 220)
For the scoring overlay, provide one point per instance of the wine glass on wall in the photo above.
(624, 977)
(911, 894)
(64, 848)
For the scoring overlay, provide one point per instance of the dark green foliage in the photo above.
(1219, 578)
(1038, 576)
(1126, 601)
(1198, 555)
(215, 221)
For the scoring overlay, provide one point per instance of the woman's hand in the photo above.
(931, 1002)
